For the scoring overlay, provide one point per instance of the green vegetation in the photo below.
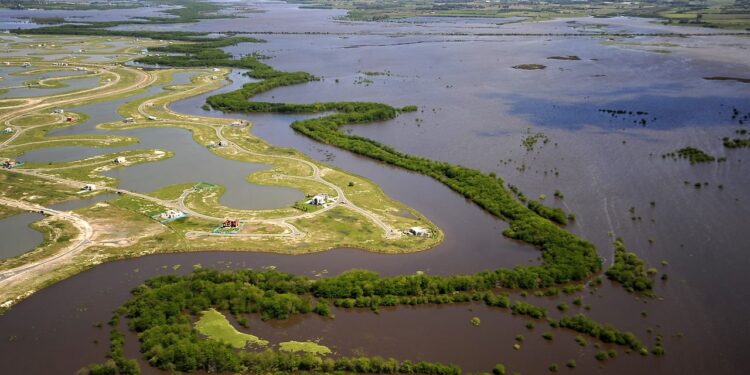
(736, 142)
(216, 326)
(568, 57)
(729, 15)
(161, 312)
(692, 154)
(583, 324)
(475, 321)
(566, 257)
(581, 341)
(555, 214)
(629, 270)
(304, 347)
(530, 67)
(531, 140)
(205, 53)
(187, 11)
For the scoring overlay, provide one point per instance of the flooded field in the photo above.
(474, 110)
(178, 169)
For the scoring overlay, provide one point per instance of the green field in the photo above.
(216, 326)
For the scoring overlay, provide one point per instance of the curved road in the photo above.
(80, 243)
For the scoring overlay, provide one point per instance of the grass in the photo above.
(215, 326)
(304, 347)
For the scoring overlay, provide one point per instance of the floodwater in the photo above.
(17, 235)
(71, 84)
(21, 18)
(180, 168)
(475, 109)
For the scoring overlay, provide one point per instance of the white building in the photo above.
(217, 70)
(171, 215)
(419, 232)
(129, 120)
(152, 118)
(223, 143)
(119, 160)
(59, 110)
(7, 130)
(89, 187)
(318, 200)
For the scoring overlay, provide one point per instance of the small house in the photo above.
(419, 232)
(59, 110)
(228, 223)
(172, 214)
(152, 118)
(217, 70)
(119, 160)
(69, 119)
(26, 64)
(129, 120)
(237, 124)
(89, 187)
(223, 143)
(7, 130)
(214, 78)
(318, 200)
(9, 164)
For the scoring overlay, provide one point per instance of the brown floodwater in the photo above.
(475, 110)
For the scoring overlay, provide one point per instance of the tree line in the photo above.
(161, 312)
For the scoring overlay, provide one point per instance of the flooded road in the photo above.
(475, 110)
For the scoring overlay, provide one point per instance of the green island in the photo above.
(530, 67)
(161, 312)
(692, 154)
(629, 270)
(736, 142)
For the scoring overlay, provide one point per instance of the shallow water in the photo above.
(17, 235)
(482, 110)
(13, 18)
(73, 84)
(178, 169)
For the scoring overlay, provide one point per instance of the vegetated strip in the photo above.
(566, 257)
(694, 155)
(162, 310)
(188, 11)
(721, 78)
(736, 142)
